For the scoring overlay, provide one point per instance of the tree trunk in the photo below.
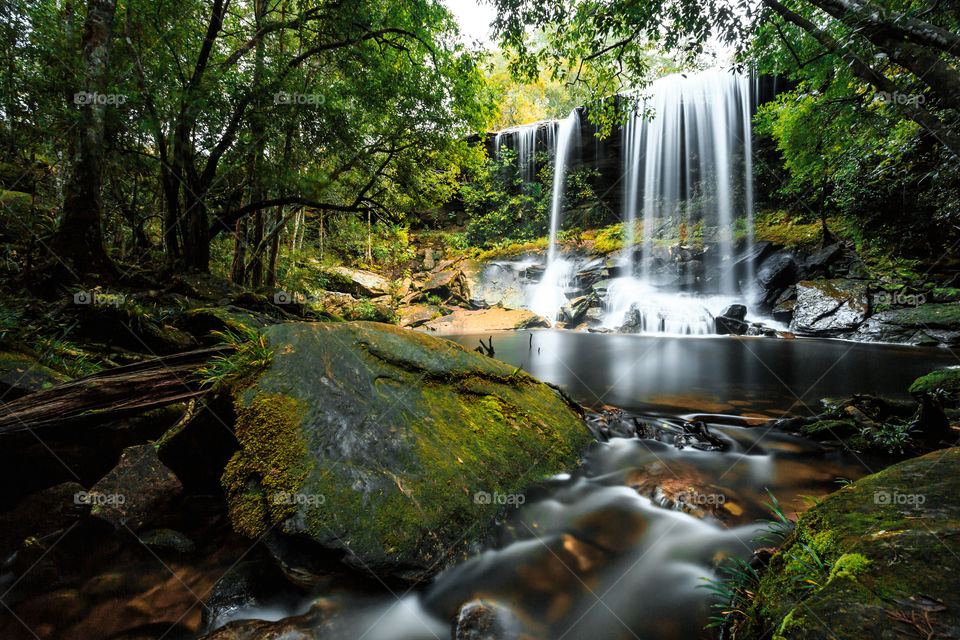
(237, 269)
(79, 238)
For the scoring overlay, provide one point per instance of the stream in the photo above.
(598, 554)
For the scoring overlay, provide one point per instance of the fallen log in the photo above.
(110, 394)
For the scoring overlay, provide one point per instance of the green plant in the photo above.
(739, 581)
(249, 356)
(892, 437)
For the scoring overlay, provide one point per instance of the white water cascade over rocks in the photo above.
(687, 210)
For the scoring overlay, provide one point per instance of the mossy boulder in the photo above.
(887, 552)
(21, 375)
(373, 441)
(929, 324)
(945, 380)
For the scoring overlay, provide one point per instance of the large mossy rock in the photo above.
(891, 546)
(928, 324)
(373, 441)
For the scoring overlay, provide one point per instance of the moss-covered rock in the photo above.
(945, 380)
(373, 441)
(868, 559)
(21, 374)
(928, 324)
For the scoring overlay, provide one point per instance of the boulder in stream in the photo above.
(887, 560)
(830, 307)
(381, 445)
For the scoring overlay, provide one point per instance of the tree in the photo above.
(79, 238)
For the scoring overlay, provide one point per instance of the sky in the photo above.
(474, 17)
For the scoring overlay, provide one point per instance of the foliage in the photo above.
(353, 107)
(249, 355)
(505, 209)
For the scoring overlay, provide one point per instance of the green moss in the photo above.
(849, 565)
(272, 460)
(942, 379)
(881, 552)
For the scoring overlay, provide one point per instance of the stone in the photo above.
(251, 583)
(830, 307)
(730, 326)
(932, 324)
(358, 282)
(819, 262)
(735, 311)
(371, 442)
(41, 514)
(414, 315)
(783, 312)
(22, 375)
(428, 261)
(775, 273)
(889, 552)
(168, 540)
(134, 492)
(495, 319)
(480, 620)
(446, 284)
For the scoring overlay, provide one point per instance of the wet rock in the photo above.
(775, 273)
(135, 491)
(783, 311)
(730, 326)
(830, 307)
(479, 620)
(735, 311)
(495, 284)
(168, 540)
(684, 487)
(890, 555)
(371, 441)
(21, 374)
(313, 625)
(357, 282)
(415, 315)
(447, 284)
(252, 583)
(819, 262)
(612, 423)
(40, 515)
(576, 310)
(929, 324)
(495, 319)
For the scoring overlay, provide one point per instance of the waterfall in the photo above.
(527, 139)
(549, 298)
(686, 153)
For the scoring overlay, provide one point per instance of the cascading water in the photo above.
(525, 141)
(549, 298)
(687, 168)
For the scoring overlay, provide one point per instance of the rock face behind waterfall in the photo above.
(388, 446)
